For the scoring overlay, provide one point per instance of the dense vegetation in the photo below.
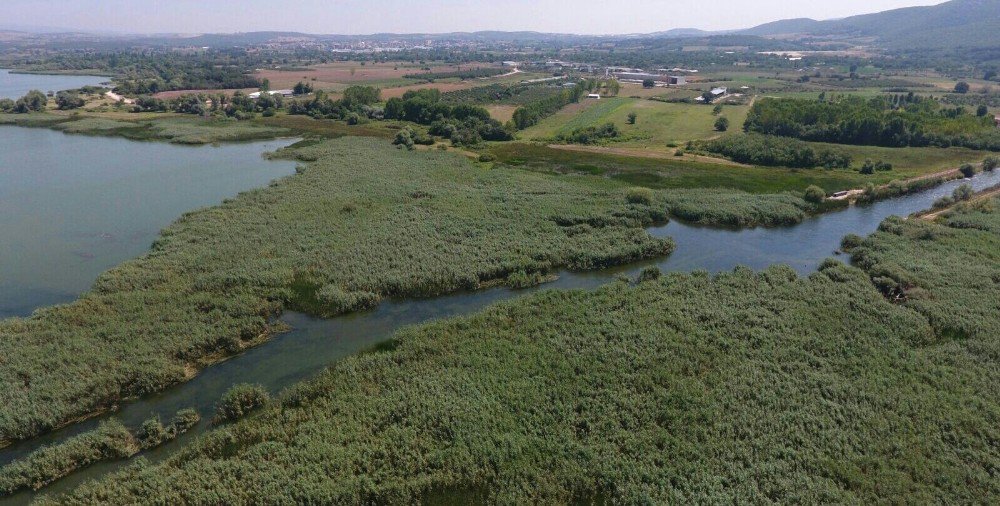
(33, 101)
(592, 134)
(896, 121)
(532, 112)
(239, 401)
(687, 388)
(366, 219)
(109, 441)
(356, 102)
(772, 151)
(513, 94)
(140, 72)
(463, 124)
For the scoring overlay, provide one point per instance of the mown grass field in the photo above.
(664, 173)
(756, 387)
(659, 123)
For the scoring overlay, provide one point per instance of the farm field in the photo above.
(342, 74)
(659, 123)
(667, 171)
(390, 77)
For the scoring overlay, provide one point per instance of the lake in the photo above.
(73, 206)
(15, 86)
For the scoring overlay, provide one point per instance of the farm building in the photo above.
(720, 91)
(595, 96)
(284, 93)
(638, 77)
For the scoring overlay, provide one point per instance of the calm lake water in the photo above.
(17, 85)
(73, 206)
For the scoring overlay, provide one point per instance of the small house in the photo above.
(595, 96)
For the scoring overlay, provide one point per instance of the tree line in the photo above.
(772, 151)
(891, 121)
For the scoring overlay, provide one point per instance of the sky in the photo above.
(422, 16)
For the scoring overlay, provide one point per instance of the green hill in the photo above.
(958, 23)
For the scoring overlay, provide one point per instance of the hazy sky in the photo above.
(402, 16)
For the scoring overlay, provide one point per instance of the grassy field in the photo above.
(745, 387)
(664, 173)
(659, 123)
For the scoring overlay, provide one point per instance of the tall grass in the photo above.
(362, 222)
(109, 441)
(684, 388)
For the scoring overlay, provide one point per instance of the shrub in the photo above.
(523, 279)
(991, 163)
(151, 433)
(851, 241)
(240, 400)
(487, 157)
(943, 202)
(870, 167)
(184, 420)
(964, 192)
(815, 194)
(722, 124)
(404, 138)
(66, 100)
(650, 273)
(338, 301)
(967, 170)
(632, 117)
(592, 134)
(773, 151)
(642, 196)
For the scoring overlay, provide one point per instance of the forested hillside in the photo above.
(958, 23)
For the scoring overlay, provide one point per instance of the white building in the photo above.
(284, 93)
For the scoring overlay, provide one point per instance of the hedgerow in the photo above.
(773, 151)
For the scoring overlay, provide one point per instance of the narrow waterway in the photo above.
(316, 343)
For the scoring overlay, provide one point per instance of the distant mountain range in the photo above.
(958, 23)
(953, 24)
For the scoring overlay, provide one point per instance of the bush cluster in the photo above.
(773, 151)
